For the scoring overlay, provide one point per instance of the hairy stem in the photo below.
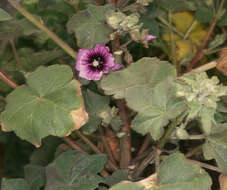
(41, 26)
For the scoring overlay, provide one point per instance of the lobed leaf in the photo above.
(76, 171)
(45, 106)
(89, 26)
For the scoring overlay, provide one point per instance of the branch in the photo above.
(199, 53)
(41, 26)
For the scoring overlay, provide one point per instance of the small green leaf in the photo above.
(95, 105)
(146, 71)
(4, 16)
(14, 184)
(45, 105)
(90, 27)
(35, 176)
(204, 14)
(75, 170)
(216, 146)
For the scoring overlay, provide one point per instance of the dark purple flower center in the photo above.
(97, 62)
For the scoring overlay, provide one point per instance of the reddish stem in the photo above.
(145, 145)
(7, 80)
(199, 53)
(73, 144)
(125, 141)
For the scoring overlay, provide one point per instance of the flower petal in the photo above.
(116, 67)
(150, 37)
(82, 58)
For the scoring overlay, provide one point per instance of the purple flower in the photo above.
(150, 37)
(93, 63)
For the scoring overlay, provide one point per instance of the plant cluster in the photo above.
(113, 94)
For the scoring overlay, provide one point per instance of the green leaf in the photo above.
(45, 105)
(127, 186)
(116, 177)
(4, 16)
(95, 105)
(76, 171)
(146, 71)
(14, 184)
(216, 146)
(156, 106)
(204, 14)
(90, 27)
(46, 152)
(176, 172)
(35, 176)
(30, 60)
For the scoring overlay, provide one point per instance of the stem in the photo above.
(107, 147)
(157, 159)
(73, 144)
(193, 151)
(7, 80)
(189, 30)
(206, 67)
(94, 148)
(144, 164)
(200, 51)
(196, 137)
(16, 54)
(88, 142)
(125, 141)
(41, 26)
(173, 28)
(173, 44)
(169, 131)
(207, 166)
(145, 145)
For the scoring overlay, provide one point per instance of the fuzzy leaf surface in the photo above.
(146, 71)
(42, 107)
(216, 146)
(155, 106)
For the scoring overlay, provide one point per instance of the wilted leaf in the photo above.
(216, 146)
(14, 184)
(43, 106)
(223, 181)
(90, 27)
(146, 71)
(4, 16)
(76, 171)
